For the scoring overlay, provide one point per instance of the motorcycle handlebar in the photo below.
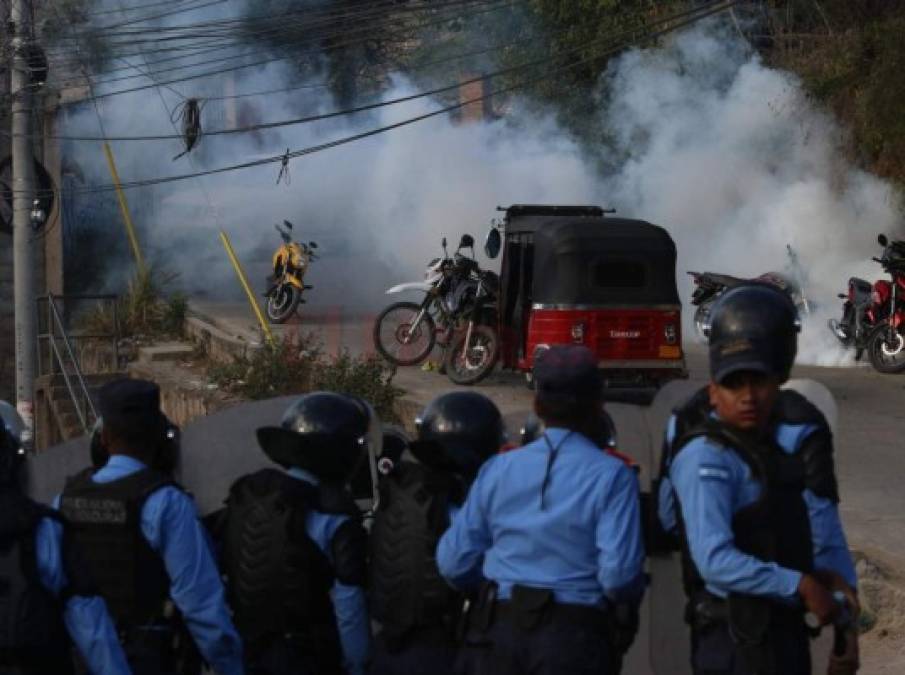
(877, 260)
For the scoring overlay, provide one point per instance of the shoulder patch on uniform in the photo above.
(713, 472)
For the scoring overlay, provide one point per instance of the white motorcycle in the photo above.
(405, 333)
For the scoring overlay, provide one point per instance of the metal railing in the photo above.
(56, 355)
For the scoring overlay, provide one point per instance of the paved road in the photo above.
(870, 460)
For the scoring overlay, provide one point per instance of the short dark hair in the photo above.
(566, 411)
(139, 440)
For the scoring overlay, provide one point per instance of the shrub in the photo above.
(144, 309)
(297, 365)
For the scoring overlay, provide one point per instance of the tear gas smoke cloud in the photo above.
(726, 153)
(735, 161)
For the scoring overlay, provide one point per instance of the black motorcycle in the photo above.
(710, 286)
(405, 333)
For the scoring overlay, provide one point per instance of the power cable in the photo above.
(134, 8)
(378, 104)
(691, 18)
(249, 65)
(239, 25)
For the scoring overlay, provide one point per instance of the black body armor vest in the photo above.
(106, 523)
(407, 591)
(279, 580)
(32, 635)
(774, 528)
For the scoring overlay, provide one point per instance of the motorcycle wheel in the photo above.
(394, 326)
(478, 362)
(702, 320)
(884, 357)
(282, 303)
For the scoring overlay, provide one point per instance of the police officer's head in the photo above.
(166, 457)
(330, 435)
(569, 388)
(133, 423)
(12, 452)
(458, 431)
(753, 342)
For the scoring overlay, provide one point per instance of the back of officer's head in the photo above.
(458, 431)
(754, 328)
(133, 421)
(569, 387)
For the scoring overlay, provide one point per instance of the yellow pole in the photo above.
(252, 300)
(124, 207)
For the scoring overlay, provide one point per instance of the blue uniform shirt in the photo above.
(170, 524)
(712, 484)
(349, 602)
(86, 618)
(584, 543)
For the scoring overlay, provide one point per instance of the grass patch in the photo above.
(144, 310)
(297, 365)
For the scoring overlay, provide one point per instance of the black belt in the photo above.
(554, 612)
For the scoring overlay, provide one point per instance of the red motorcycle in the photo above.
(873, 316)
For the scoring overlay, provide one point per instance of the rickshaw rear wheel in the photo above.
(473, 367)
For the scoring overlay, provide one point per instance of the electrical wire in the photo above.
(691, 17)
(245, 34)
(266, 61)
(375, 105)
(133, 8)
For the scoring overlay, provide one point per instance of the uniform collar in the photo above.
(558, 433)
(301, 474)
(125, 463)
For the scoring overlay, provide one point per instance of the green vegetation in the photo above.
(145, 309)
(851, 56)
(297, 365)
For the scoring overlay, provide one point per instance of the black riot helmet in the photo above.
(12, 450)
(458, 432)
(754, 327)
(331, 435)
(166, 456)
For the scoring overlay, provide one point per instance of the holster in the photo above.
(478, 616)
(623, 621)
(704, 611)
(749, 624)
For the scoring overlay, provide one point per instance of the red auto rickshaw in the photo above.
(570, 274)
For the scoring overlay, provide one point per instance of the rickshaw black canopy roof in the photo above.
(531, 217)
(603, 261)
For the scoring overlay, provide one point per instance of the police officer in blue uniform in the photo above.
(750, 489)
(45, 591)
(294, 549)
(144, 544)
(418, 611)
(555, 529)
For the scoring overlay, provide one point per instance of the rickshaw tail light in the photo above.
(671, 334)
(578, 333)
(670, 352)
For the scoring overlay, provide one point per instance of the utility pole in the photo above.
(23, 188)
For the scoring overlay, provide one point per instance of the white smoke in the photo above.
(707, 141)
(733, 158)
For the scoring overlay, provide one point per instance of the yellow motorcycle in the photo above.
(287, 284)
